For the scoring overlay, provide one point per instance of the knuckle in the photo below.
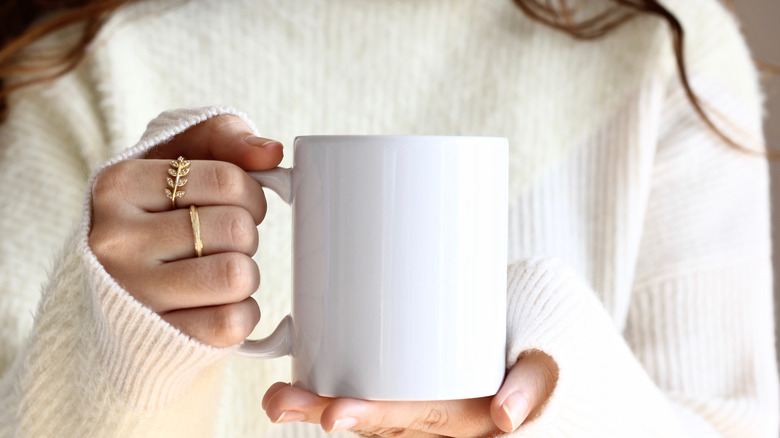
(219, 125)
(262, 210)
(227, 181)
(108, 245)
(103, 246)
(550, 373)
(242, 230)
(545, 377)
(118, 257)
(543, 387)
(229, 325)
(239, 274)
(388, 432)
(435, 416)
(221, 129)
(110, 181)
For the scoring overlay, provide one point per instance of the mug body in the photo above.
(399, 266)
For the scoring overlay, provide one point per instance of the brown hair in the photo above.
(561, 15)
(24, 30)
(27, 21)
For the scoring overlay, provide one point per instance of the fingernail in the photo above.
(343, 424)
(290, 416)
(259, 142)
(516, 407)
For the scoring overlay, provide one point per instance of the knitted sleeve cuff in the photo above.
(147, 361)
(536, 310)
(537, 319)
(551, 309)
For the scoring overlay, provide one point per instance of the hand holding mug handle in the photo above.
(276, 344)
(151, 243)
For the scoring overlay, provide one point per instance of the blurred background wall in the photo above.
(761, 26)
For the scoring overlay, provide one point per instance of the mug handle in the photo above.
(276, 344)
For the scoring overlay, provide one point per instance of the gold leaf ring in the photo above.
(195, 219)
(179, 169)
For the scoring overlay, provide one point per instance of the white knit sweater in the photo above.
(639, 241)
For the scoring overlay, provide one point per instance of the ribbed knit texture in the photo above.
(639, 242)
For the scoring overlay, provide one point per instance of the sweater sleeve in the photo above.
(697, 355)
(95, 361)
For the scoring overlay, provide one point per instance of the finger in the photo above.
(457, 418)
(394, 433)
(141, 184)
(525, 390)
(149, 241)
(276, 387)
(218, 326)
(224, 138)
(168, 236)
(199, 282)
(284, 403)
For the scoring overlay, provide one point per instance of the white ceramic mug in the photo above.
(399, 266)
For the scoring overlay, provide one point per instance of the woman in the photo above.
(639, 284)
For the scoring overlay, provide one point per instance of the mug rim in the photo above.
(398, 137)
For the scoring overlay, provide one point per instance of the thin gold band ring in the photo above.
(195, 220)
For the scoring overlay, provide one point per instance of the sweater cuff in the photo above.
(537, 313)
(538, 317)
(552, 309)
(148, 362)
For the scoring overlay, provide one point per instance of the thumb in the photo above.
(525, 390)
(224, 138)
